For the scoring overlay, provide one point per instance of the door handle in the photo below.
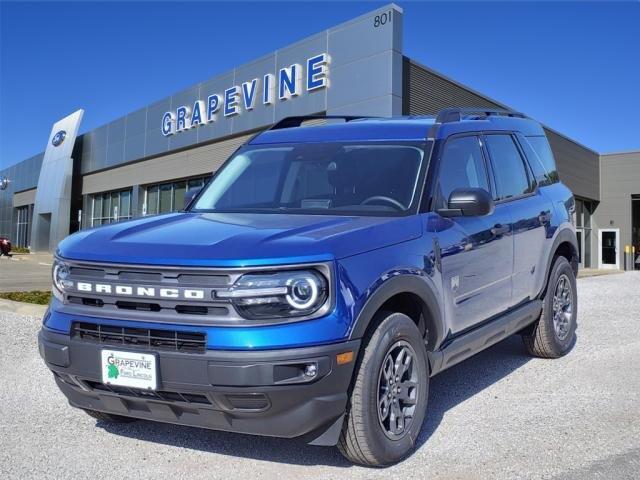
(544, 217)
(500, 229)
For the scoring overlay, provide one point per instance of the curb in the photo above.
(22, 308)
(598, 273)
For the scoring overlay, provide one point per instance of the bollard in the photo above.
(627, 252)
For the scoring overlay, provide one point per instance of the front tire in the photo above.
(389, 398)
(554, 334)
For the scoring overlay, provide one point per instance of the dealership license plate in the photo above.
(129, 369)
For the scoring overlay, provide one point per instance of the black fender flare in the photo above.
(565, 235)
(405, 283)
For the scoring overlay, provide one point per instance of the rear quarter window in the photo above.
(509, 168)
(541, 159)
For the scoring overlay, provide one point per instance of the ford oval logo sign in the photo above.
(4, 183)
(58, 138)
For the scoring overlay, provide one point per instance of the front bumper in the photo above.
(255, 392)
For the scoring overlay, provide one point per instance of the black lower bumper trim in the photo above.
(258, 392)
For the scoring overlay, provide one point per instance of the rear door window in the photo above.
(510, 172)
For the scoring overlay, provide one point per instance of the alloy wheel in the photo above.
(562, 307)
(397, 390)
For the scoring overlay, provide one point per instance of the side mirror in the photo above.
(190, 195)
(468, 202)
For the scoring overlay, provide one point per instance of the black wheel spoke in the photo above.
(397, 419)
(407, 393)
(383, 406)
(388, 369)
(402, 364)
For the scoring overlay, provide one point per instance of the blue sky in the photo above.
(573, 66)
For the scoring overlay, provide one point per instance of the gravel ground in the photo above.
(497, 415)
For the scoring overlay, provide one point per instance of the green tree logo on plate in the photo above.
(112, 371)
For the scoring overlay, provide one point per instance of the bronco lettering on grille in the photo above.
(130, 291)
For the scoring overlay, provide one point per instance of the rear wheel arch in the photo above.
(564, 245)
(569, 251)
(407, 294)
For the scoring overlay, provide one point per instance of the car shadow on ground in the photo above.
(447, 390)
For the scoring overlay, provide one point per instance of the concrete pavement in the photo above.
(25, 272)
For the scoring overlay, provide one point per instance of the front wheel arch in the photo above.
(396, 289)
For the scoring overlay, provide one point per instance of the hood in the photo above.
(237, 239)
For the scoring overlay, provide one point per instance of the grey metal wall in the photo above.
(578, 166)
(619, 180)
(26, 197)
(365, 77)
(23, 176)
(426, 92)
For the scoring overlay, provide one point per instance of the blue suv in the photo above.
(319, 280)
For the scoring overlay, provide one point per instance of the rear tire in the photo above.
(389, 398)
(110, 418)
(554, 334)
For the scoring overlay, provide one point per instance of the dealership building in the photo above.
(143, 163)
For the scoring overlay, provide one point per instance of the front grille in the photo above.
(146, 338)
(165, 396)
(143, 301)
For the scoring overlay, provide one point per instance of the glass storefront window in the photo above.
(23, 226)
(97, 208)
(179, 189)
(111, 207)
(106, 207)
(152, 200)
(583, 231)
(169, 197)
(165, 198)
(579, 211)
(125, 204)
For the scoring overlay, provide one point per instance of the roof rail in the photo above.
(291, 122)
(449, 115)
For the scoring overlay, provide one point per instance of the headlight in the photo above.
(296, 293)
(61, 280)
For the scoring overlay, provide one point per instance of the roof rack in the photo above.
(449, 115)
(291, 122)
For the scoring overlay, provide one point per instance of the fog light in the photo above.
(310, 370)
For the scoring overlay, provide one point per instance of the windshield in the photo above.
(331, 178)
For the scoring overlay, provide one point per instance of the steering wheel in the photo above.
(377, 198)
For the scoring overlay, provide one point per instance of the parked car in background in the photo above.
(5, 247)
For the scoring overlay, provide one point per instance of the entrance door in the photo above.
(609, 246)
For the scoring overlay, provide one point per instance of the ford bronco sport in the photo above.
(319, 280)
